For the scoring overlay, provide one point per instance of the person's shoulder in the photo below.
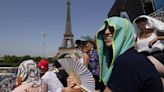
(49, 74)
(85, 55)
(26, 87)
(132, 57)
(20, 88)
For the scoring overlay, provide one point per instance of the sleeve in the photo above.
(54, 84)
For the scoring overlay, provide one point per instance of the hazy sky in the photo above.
(22, 21)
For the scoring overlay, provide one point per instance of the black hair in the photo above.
(56, 64)
(106, 23)
(77, 42)
(94, 44)
(142, 19)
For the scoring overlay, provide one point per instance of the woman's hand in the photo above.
(73, 86)
(72, 82)
(68, 89)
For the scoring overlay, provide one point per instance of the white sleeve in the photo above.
(54, 84)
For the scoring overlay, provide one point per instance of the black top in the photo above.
(133, 72)
(62, 76)
(159, 55)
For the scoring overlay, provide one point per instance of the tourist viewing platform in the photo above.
(7, 78)
(43, 42)
(5, 70)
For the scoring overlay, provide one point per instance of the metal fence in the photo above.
(159, 14)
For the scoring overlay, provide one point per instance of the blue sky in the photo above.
(22, 21)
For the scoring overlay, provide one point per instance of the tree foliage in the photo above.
(14, 61)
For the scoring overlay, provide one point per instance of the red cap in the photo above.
(43, 64)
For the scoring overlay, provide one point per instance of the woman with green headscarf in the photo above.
(122, 69)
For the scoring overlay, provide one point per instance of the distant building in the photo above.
(159, 7)
(67, 47)
(158, 14)
(133, 8)
(158, 4)
(148, 6)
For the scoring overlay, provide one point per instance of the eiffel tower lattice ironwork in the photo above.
(67, 47)
(68, 36)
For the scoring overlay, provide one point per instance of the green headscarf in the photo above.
(123, 39)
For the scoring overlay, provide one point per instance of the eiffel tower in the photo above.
(67, 47)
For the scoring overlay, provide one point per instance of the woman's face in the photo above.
(142, 25)
(108, 35)
(42, 71)
(86, 46)
(145, 32)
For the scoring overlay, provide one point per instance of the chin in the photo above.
(108, 44)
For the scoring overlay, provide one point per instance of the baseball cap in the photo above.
(43, 64)
(83, 38)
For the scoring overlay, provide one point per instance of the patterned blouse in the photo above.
(94, 65)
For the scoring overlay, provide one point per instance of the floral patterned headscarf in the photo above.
(28, 73)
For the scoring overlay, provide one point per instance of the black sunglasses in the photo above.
(111, 28)
(107, 26)
(83, 43)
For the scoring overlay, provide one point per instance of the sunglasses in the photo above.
(110, 28)
(83, 43)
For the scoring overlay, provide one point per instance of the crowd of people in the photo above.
(124, 56)
(7, 82)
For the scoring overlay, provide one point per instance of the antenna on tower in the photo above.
(43, 33)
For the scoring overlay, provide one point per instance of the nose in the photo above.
(107, 31)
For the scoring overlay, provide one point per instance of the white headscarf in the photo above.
(153, 24)
(28, 73)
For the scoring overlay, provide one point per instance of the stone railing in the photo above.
(8, 69)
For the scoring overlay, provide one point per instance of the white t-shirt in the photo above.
(52, 81)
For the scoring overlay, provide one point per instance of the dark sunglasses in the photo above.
(82, 43)
(111, 28)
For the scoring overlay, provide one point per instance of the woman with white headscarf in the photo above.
(150, 40)
(28, 78)
(149, 33)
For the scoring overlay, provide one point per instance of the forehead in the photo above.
(141, 24)
(141, 20)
